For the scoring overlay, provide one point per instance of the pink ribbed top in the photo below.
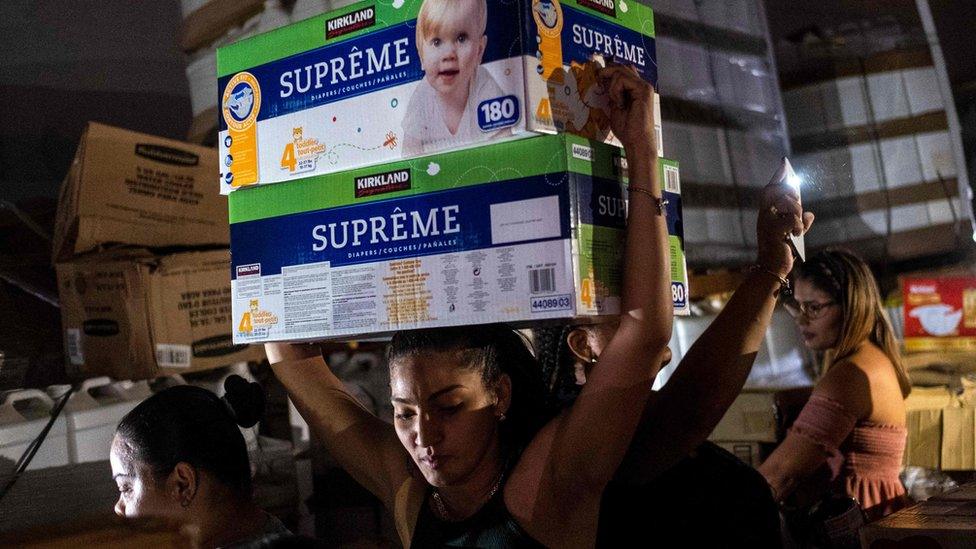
(864, 457)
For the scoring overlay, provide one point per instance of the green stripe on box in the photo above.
(516, 159)
(309, 34)
(306, 35)
(638, 16)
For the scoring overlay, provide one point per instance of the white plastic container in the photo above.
(93, 413)
(23, 415)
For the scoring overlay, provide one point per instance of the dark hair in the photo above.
(557, 363)
(190, 424)
(849, 281)
(493, 349)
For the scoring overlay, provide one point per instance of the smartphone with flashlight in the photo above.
(785, 174)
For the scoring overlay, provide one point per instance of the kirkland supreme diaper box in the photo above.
(130, 314)
(940, 313)
(376, 82)
(126, 187)
(467, 237)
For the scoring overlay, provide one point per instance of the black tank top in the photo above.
(490, 527)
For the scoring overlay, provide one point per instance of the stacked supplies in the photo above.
(405, 177)
(141, 253)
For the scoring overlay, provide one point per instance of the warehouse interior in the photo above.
(873, 102)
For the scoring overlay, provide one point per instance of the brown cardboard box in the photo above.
(132, 188)
(131, 315)
(751, 453)
(959, 438)
(923, 409)
(924, 445)
(752, 417)
(930, 524)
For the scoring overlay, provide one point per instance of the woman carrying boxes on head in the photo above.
(473, 458)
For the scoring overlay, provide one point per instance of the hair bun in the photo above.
(244, 399)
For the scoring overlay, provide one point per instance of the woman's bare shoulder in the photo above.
(864, 382)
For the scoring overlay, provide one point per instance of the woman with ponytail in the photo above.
(180, 456)
(853, 427)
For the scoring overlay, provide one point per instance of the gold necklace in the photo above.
(440, 508)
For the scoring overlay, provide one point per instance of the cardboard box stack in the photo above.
(129, 312)
(389, 212)
(942, 428)
(723, 119)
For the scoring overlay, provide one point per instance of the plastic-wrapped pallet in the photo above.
(871, 133)
(744, 16)
(722, 118)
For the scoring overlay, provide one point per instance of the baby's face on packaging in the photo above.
(452, 52)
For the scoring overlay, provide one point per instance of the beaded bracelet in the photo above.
(659, 202)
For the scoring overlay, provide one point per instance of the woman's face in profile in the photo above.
(820, 321)
(444, 416)
(139, 493)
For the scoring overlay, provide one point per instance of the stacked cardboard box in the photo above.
(942, 428)
(723, 119)
(128, 312)
(478, 219)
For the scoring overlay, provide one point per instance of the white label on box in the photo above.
(307, 292)
(658, 134)
(672, 180)
(248, 286)
(500, 284)
(75, 353)
(583, 152)
(170, 355)
(355, 290)
(532, 219)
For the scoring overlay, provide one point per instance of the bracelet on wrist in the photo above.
(784, 283)
(659, 202)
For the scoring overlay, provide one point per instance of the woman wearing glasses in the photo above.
(853, 426)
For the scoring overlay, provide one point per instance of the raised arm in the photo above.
(592, 437)
(714, 370)
(365, 446)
